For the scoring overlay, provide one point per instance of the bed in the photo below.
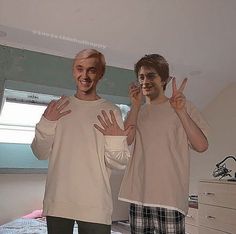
(35, 226)
(25, 225)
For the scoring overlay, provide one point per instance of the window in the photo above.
(18, 120)
(21, 111)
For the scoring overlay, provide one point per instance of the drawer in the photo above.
(222, 219)
(204, 230)
(191, 229)
(219, 194)
(192, 217)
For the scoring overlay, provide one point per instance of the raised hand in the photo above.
(110, 125)
(54, 110)
(135, 94)
(178, 99)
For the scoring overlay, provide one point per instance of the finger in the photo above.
(179, 99)
(113, 118)
(49, 107)
(135, 88)
(178, 95)
(63, 105)
(133, 85)
(182, 86)
(174, 88)
(61, 99)
(129, 129)
(102, 121)
(64, 113)
(52, 104)
(106, 118)
(99, 129)
(134, 92)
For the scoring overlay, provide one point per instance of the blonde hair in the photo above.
(92, 53)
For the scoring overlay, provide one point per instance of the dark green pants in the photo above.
(57, 225)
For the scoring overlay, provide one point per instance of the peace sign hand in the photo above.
(178, 100)
(110, 126)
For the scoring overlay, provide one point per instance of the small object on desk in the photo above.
(193, 201)
(222, 171)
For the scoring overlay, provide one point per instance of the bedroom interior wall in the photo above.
(221, 116)
(20, 194)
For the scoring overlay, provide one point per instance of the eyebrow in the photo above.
(149, 73)
(89, 68)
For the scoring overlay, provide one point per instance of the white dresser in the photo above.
(191, 221)
(217, 207)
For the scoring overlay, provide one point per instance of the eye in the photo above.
(92, 70)
(79, 69)
(151, 76)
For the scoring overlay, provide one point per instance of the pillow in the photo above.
(34, 214)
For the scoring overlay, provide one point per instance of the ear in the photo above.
(163, 83)
(100, 77)
(101, 74)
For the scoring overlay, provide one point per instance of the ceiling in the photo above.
(197, 37)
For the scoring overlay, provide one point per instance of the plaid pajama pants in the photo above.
(150, 220)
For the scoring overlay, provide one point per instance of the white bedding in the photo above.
(30, 226)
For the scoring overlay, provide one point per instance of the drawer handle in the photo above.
(209, 194)
(190, 216)
(210, 217)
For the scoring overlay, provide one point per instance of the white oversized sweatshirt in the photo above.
(80, 162)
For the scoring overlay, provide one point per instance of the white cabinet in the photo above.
(191, 221)
(217, 207)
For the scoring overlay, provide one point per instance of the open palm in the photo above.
(110, 126)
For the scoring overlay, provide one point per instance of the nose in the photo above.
(146, 81)
(84, 74)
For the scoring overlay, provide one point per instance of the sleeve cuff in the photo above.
(115, 142)
(46, 126)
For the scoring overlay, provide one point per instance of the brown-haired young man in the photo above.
(81, 153)
(156, 180)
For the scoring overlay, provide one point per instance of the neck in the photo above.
(160, 99)
(87, 97)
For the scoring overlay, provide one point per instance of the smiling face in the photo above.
(151, 84)
(87, 72)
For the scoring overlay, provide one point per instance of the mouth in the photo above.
(86, 81)
(146, 86)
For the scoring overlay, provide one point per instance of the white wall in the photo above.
(20, 194)
(221, 116)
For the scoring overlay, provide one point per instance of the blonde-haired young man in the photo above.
(82, 136)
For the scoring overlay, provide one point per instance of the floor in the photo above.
(121, 227)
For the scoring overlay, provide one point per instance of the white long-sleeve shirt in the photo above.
(80, 162)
